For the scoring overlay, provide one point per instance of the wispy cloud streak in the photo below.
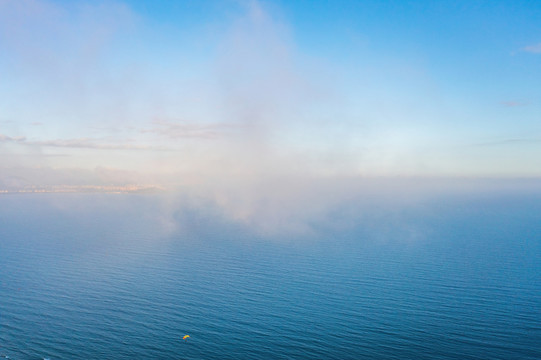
(5, 138)
(511, 141)
(184, 129)
(536, 49)
(513, 103)
(82, 143)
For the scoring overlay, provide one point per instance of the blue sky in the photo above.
(227, 89)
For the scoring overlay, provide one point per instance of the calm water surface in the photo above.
(97, 277)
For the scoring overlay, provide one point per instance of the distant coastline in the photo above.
(108, 189)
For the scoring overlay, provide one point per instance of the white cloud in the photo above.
(60, 57)
(536, 49)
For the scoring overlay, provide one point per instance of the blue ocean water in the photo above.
(97, 277)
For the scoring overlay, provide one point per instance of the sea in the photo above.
(127, 276)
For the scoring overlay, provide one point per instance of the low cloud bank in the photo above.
(302, 209)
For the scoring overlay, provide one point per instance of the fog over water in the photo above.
(450, 274)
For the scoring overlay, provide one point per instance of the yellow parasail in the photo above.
(185, 337)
